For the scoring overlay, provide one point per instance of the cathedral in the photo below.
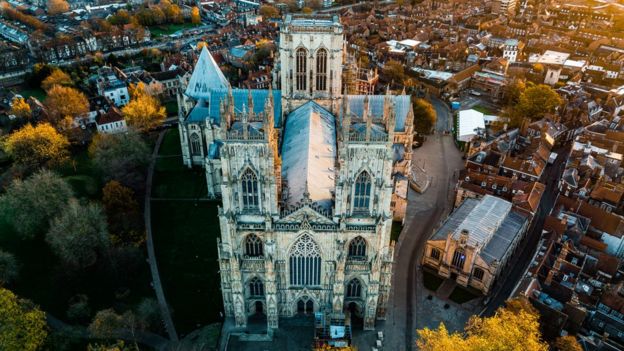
(309, 178)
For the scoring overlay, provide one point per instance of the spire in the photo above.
(206, 77)
(403, 91)
(250, 100)
(365, 109)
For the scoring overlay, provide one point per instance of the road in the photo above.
(442, 160)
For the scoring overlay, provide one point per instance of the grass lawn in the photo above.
(396, 230)
(173, 179)
(81, 174)
(172, 108)
(431, 281)
(36, 92)
(483, 109)
(168, 29)
(461, 295)
(185, 238)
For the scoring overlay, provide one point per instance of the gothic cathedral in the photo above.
(309, 177)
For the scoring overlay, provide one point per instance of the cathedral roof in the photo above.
(206, 76)
(309, 155)
(402, 105)
(241, 99)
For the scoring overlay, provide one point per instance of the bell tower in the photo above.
(311, 56)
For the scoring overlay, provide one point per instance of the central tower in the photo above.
(311, 56)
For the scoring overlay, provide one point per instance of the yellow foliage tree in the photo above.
(513, 328)
(65, 102)
(37, 146)
(57, 77)
(20, 108)
(307, 10)
(144, 111)
(567, 343)
(23, 325)
(195, 17)
(57, 6)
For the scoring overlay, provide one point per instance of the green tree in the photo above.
(118, 346)
(538, 100)
(567, 343)
(37, 146)
(8, 268)
(424, 116)
(512, 92)
(22, 325)
(123, 213)
(120, 157)
(394, 72)
(79, 235)
(268, 11)
(29, 205)
(79, 310)
(106, 323)
(512, 328)
(148, 313)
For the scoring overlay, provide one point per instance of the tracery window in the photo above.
(357, 248)
(195, 144)
(459, 258)
(305, 263)
(249, 185)
(354, 288)
(254, 246)
(321, 70)
(435, 254)
(361, 198)
(300, 69)
(256, 287)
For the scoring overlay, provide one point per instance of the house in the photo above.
(110, 86)
(110, 122)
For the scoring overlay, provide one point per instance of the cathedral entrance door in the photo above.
(309, 306)
(259, 309)
(300, 306)
(305, 305)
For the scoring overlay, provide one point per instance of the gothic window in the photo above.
(459, 258)
(249, 183)
(256, 287)
(435, 254)
(357, 248)
(195, 144)
(321, 70)
(254, 246)
(300, 69)
(478, 274)
(361, 198)
(354, 288)
(305, 263)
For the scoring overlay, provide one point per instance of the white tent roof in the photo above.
(469, 120)
(207, 76)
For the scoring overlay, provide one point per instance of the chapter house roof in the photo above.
(206, 77)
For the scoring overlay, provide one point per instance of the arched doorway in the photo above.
(259, 307)
(356, 314)
(305, 305)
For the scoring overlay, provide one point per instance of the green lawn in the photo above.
(81, 174)
(168, 29)
(28, 92)
(185, 237)
(431, 281)
(172, 108)
(483, 109)
(461, 295)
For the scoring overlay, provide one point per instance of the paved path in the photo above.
(160, 294)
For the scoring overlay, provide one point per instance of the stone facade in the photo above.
(306, 179)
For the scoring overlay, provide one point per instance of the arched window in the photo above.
(459, 258)
(321, 70)
(354, 288)
(361, 198)
(195, 144)
(357, 248)
(256, 287)
(305, 263)
(300, 69)
(254, 246)
(478, 274)
(249, 185)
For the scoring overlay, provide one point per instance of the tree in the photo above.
(121, 157)
(105, 323)
(512, 92)
(510, 329)
(37, 146)
(65, 102)
(424, 116)
(20, 108)
(148, 313)
(307, 11)
(538, 100)
(79, 310)
(22, 325)
(79, 235)
(394, 72)
(123, 213)
(8, 267)
(144, 112)
(57, 6)
(567, 343)
(118, 346)
(195, 16)
(268, 11)
(120, 18)
(29, 205)
(57, 77)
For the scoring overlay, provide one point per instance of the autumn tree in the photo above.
(8, 267)
(394, 71)
(567, 343)
(424, 116)
(22, 324)
(268, 11)
(57, 6)
(29, 205)
(57, 77)
(537, 101)
(65, 102)
(120, 18)
(37, 146)
(20, 108)
(510, 329)
(144, 111)
(120, 157)
(195, 15)
(79, 235)
(123, 213)
(118, 346)
(307, 10)
(512, 92)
